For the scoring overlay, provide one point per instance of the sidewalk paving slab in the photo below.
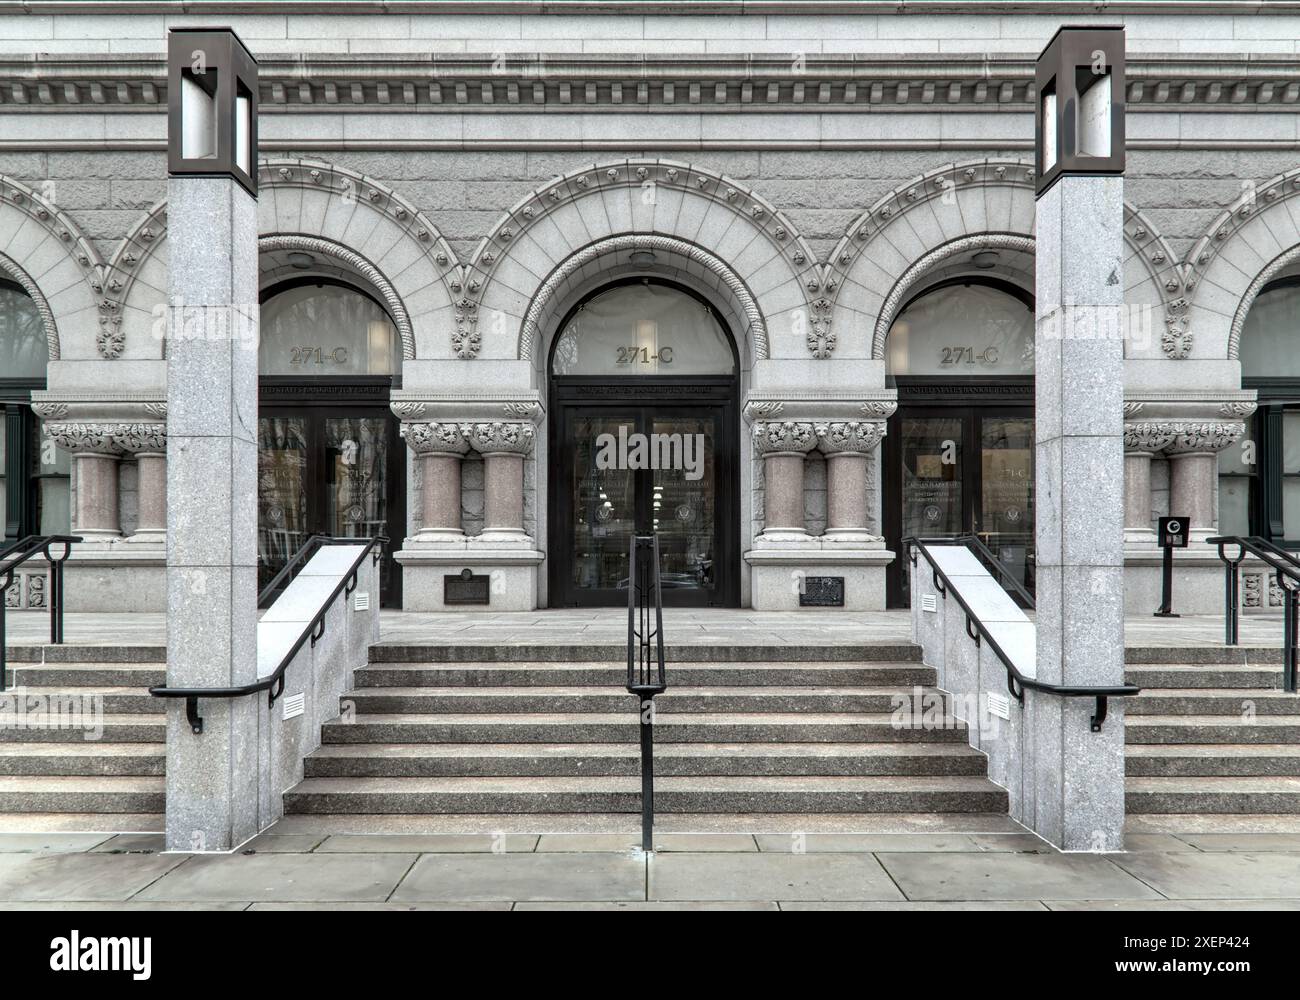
(1254, 843)
(656, 904)
(988, 876)
(1216, 876)
(50, 843)
(769, 876)
(1172, 904)
(282, 877)
(85, 876)
(665, 842)
(436, 843)
(524, 877)
(912, 906)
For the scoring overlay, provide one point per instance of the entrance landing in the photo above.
(608, 626)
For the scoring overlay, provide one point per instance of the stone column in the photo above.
(148, 442)
(1077, 799)
(848, 446)
(95, 454)
(503, 447)
(439, 448)
(1141, 442)
(1194, 471)
(212, 517)
(783, 445)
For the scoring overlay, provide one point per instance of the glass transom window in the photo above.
(327, 331)
(643, 328)
(24, 352)
(1268, 337)
(963, 330)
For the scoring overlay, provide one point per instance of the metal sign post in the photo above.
(1173, 532)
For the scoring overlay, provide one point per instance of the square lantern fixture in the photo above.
(1079, 115)
(211, 105)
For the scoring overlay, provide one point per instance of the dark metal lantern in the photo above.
(1079, 111)
(211, 105)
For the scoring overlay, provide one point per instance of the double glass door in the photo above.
(954, 470)
(328, 469)
(639, 468)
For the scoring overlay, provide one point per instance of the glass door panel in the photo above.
(683, 499)
(282, 514)
(1005, 519)
(932, 480)
(604, 501)
(357, 490)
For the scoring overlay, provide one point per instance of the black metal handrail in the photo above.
(13, 556)
(310, 546)
(1286, 568)
(645, 662)
(979, 632)
(273, 683)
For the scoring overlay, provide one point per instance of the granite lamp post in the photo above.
(1078, 794)
(212, 436)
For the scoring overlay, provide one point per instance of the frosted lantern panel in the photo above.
(643, 329)
(326, 331)
(1049, 131)
(243, 134)
(198, 117)
(963, 330)
(1094, 119)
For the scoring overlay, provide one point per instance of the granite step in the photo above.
(108, 700)
(706, 651)
(613, 675)
(1213, 760)
(622, 727)
(432, 760)
(1213, 701)
(579, 700)
(1213, 795)
(57, 728)
(1217, 729)
(79, 794)
(140, 676)
(1196, 675)
(84, 759)
(707, 794)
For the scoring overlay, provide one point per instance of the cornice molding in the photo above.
(527, 81)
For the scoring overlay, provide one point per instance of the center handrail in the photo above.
(1285, 567)
(1017, 682)
(645, 662)
(15, 555)
(273, 683)
(995, 564)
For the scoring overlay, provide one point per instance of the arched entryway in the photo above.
(644, 437)
(330, 458)
(959, 453)
(1259, 475)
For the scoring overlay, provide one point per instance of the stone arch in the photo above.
(47, 254)
(959, 208)
(702, 217)
(355, 263)
(712, 275)
(355, 220)
(1252, 241)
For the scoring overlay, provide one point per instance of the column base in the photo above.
(778, 574)
(127, 577)
(512, 572)
(1197, 580)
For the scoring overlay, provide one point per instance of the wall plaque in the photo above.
(466, 587)
(822, 592)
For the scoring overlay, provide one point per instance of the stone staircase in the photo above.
(1211, 733)
(87, 741)
(473, 731)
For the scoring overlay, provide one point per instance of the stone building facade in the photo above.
(461, 213)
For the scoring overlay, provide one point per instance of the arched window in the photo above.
(643, 328)
(967, 327)
(326, 329)
(34, 494)
(1259, 476)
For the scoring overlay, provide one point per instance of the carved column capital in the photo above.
(855, 436)
(789, 436)
(435, 438)
(500, 437)
(1148, 436)
(142, 438)
(1204, 436)
(86, 438)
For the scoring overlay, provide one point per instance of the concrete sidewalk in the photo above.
(787, 871)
